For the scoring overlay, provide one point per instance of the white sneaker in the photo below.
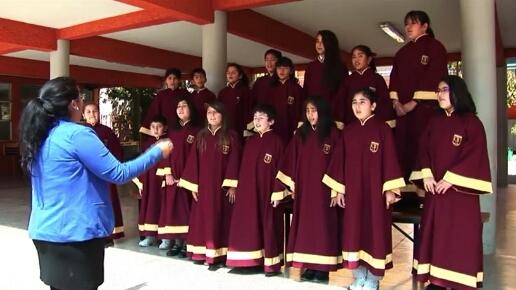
(165, 244)
(356, 285)
(147, 242)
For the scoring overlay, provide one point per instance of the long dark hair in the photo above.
(367, 51)
(223, 131)
(41, 114)
(244, 79)
(324, 120)
(421, 17)
(284, 62)
(334, 69)
(460, 97)
(194, 115)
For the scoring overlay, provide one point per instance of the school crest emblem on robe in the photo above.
(326, 148)
(457, 140)
(290, 100)
(225, 149)
(190, 139)
(267, 158)
(374, 146)
(237, 100)
(424, 59)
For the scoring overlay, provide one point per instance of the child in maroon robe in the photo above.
(453, 169)
(325, 75)
(313, 242)
(418, 67)
(260, 92)
(150, 185)
(236, 98)
(365, 76)
(211, 174)
(256, 232)
(176, 201)
(364, 172)
(201, 95)
(91, 115)
(165, 102)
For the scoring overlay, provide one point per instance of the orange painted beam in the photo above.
(35, 69)
(130, 53)
(6, 48)
(27, 35)
(117, 23)
(229, 5)
(196, 11)
(260, 28)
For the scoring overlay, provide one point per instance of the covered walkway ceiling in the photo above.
(147, 36)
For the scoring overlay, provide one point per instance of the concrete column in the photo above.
(60, 60)
(214, 51)
(479, 63)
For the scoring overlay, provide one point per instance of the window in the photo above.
(5, 111)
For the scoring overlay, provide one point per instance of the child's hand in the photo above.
(338, 200)
(442, 186)
(410, 106)
(231, 195)
(169, 179)
(275, 203)
(390, 198)
(293, 195)
(195, 196)
(429, 183)
(398, 107)
(166, 147)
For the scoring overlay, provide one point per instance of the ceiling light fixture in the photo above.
(390, 30)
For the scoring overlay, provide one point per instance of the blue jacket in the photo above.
(70, 184)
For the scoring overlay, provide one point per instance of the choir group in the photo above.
(341, 150)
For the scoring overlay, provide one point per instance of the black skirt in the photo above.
(77, 265)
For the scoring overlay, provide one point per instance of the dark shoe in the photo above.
(247, 270)
(109, 243)
(174, 251)
(308, 275)
(321, 276)
(182, 253)
(196, 262)
(215, 267)
(434, 287)
(272, 274)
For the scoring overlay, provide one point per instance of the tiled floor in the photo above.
(131, 267)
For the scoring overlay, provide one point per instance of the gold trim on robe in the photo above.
(425, 95)
(393, 95)
(148, 227)
(253, 255)
(314, 259)
(393, 184)
(118, 230)
(339, 125)
(285, 179)
(145, 131)
(280, 195)
(173, 230)
(230, 183)
(368, 258)
(391, 123)
(334, 185)
(468, 182)
(438, 272)
(188, 185)
(138, 183)
(164, 171)
(209, 253)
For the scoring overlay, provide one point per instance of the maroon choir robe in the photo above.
(287, 99)
(372, 80)
(176, 201)
(453, 148)
(164, 104)
(236, 100)
(201, 98)
(256, 232)
(210, 172)
(313, 241)
(314, 86)
(260, 92)
(364, 166)
(418, 68)
(150, 204)
(111, 141)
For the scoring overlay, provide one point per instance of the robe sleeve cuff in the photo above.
(285, 179)
(250, 126)
(280, 195)
(393, 95)
(393, 184)
(138, 183)
(145, 131)
(334, 185)
(334, 194)
(425, 96)
(247, 133)
(164, 171)
(423, 173)
(188, 185)
(391, 123)
(230, 183)
(339, 125)
(468, 182)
